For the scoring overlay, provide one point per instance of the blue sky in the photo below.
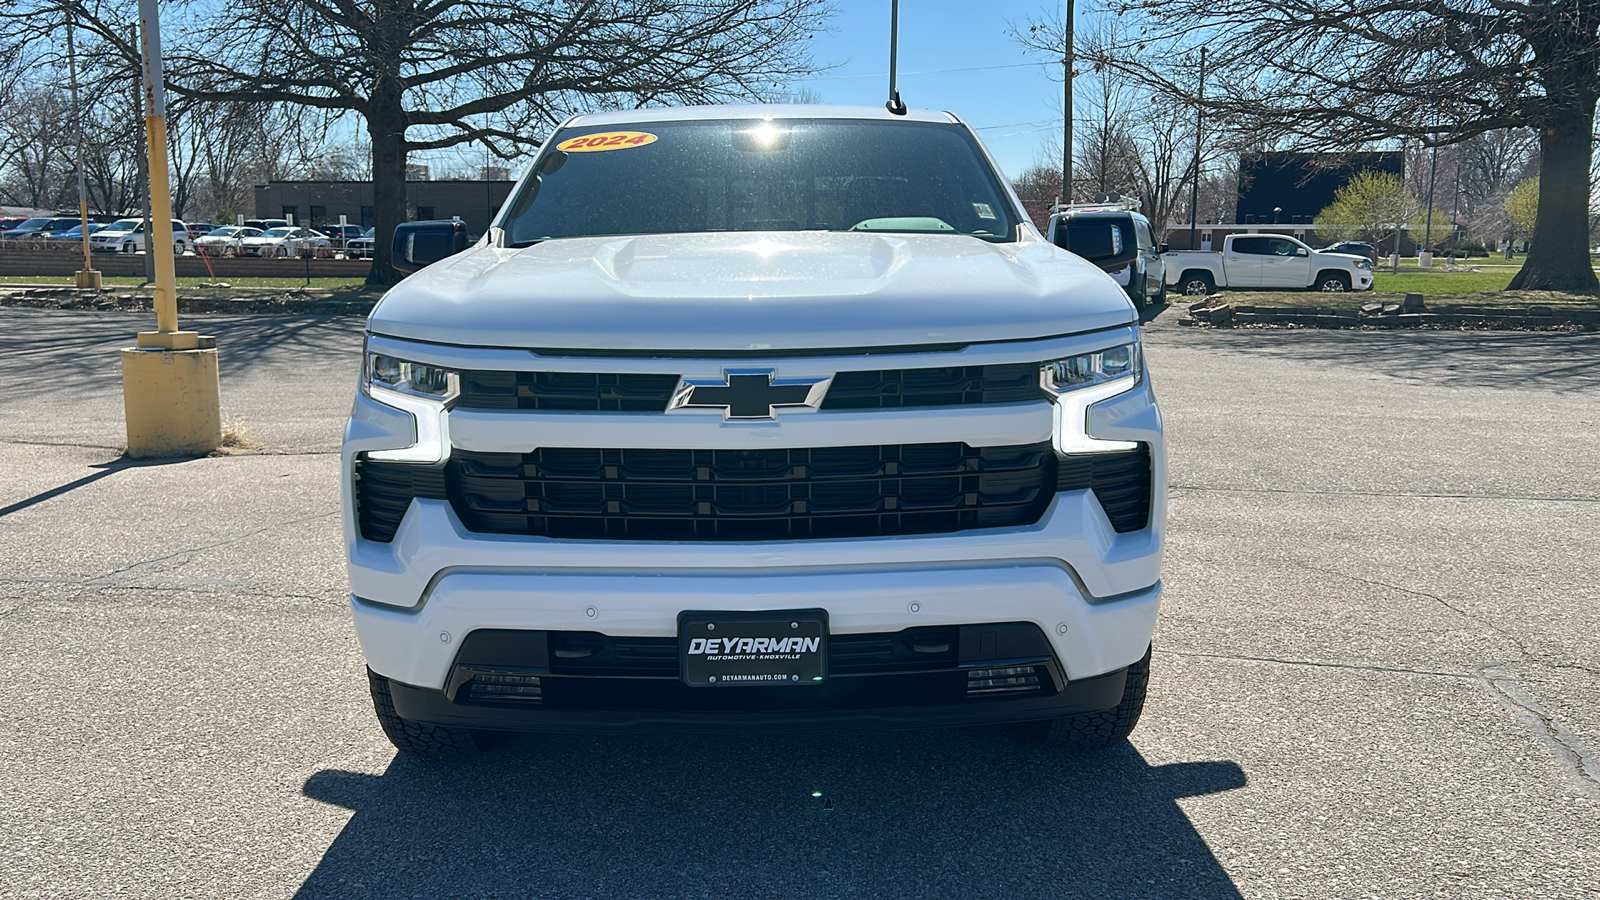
(1016, 108)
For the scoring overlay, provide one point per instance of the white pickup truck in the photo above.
(751, 418)
(1267, 261)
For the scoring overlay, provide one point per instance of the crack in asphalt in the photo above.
(1360, 667)
(1522, 649)
(109, 579)
(1205, 489)
(25, 443)
(1581, 766)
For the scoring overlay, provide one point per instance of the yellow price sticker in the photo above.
(609, 140)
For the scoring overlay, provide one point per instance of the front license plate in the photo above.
(737, 649)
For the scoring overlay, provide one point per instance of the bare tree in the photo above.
(425, 76)
(1133, 140)
(39, 125)
(1348, 73)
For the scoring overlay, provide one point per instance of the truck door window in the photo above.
(1252, 245)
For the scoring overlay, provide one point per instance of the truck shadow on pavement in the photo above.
(970, 812)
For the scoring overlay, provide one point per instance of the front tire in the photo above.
(420, 738)
(1109, 726)
(1197, 284)
(1333, 282)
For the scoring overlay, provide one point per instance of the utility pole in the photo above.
(144, 169)
(1066, 105)
(1427, 230)
(87, 277)
(1199, 123)
(170, 392)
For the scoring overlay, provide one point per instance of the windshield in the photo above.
(789, 175)
(122, 225)
(277, 232)
(229, 231)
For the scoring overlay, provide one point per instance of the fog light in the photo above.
(501, 688)
(1003, 680)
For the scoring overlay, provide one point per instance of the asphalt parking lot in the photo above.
(1376, 670)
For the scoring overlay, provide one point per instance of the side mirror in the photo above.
(417, 244)
(1162, 248)
(1301, 251)
(1110, 245)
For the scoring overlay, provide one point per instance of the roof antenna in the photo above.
(895, 105)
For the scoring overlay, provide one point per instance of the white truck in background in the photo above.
(1267, 262)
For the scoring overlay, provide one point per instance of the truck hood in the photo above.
(752, 291)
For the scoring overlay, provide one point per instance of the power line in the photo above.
(923, 72)
(1012, 125)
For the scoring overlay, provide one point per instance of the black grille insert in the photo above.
(750, 495)
(1120, 481)
(580, 391)
(753, 495)
(615, 392)
(384, 490)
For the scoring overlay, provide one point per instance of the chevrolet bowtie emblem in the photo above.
(749, 393)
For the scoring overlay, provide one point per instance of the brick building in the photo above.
(317, 203)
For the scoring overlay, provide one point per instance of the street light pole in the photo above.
(87, 277)
(1199, 124)
(1427, 230)
(170, 391)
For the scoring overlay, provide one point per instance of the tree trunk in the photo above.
(1558, 259)
(386, 125)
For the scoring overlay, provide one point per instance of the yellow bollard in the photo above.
(171, 396)
(172, 401)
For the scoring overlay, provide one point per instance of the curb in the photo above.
(285, 302)
(1412, 313)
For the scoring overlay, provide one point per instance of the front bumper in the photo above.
(781, 714)
(1091, 592)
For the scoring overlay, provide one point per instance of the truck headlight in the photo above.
(1363, 263)
(424, 391)
(1078, 382)
(391, 373)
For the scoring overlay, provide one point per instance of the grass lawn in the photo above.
(1430, 281)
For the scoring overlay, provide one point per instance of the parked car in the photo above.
(286, 240)
(308, 242)
(1145, 279)
(224, 241)
(27, 228)
(361, 247)
(198, 230)
(1266, 261)
(127, 236)
(75, 233)
(267, 224)
(6, 224)
(342, 235)
(1354, 248)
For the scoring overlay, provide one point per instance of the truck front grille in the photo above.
(617, 392)
(753, 495)
(750, 495)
